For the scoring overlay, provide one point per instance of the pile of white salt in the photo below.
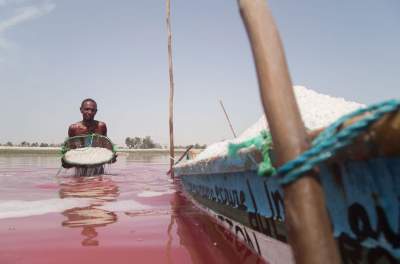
(317, 111)
(88, 156)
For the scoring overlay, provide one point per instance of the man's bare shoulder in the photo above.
(74, 129)
(101, 128)
(101, 124)
(76, 125)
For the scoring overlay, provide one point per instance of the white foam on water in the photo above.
(124, 205)
(153, 193)
(19, 208)
(317, 111)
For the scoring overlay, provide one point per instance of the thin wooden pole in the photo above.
(171, 92)
(181, 157)
(227, 118)
(307, 221)
(184, 154)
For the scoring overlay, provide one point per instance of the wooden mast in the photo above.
(171, 92)
(307, 221)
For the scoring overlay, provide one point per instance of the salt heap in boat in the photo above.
(317, 111)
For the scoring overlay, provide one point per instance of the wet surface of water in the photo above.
(132, 214)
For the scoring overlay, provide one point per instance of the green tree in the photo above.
(141, 143)
(24, 144)
(148, 143)
(198, 146)
(137, 142)
(128, 142)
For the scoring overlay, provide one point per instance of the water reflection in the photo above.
(99, 189)
(204, 239)
(138, 195)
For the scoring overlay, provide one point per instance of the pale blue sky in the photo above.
(55, 53)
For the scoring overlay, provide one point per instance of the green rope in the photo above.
(263, 143)
(333, 139)
(64, 149)
(86, 135)
(114, 148)
(91, 139)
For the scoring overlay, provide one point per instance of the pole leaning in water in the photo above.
(171, 92)
(308, 225)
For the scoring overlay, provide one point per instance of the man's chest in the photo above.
(83, 129)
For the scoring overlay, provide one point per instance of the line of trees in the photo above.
(196, 146)
(28, 144)
(131, 142)
(148, 143)
(141, 143)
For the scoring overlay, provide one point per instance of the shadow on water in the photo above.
(204, 239)
(100, 190)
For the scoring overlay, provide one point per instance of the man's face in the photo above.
(88, 110)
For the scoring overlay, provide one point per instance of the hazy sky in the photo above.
(55, 53)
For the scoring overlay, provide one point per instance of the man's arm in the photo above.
(72, 130)
(103, 128)
(71, 133)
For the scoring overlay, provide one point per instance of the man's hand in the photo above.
(65, 165)
(114, 158)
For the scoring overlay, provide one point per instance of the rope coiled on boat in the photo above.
(263, 143)
(332, 140)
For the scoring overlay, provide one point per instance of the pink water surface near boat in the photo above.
(134, 213)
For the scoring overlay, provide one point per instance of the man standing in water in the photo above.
(88, 125)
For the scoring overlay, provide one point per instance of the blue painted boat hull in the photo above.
(362, 198)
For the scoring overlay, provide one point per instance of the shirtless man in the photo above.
(88, 125)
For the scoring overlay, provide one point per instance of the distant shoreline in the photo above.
(57, 150)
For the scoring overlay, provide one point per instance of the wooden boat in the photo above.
(361, 182)
(338, 201)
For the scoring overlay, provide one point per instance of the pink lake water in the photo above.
(134, 213)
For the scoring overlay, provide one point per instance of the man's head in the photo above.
(88, 109)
